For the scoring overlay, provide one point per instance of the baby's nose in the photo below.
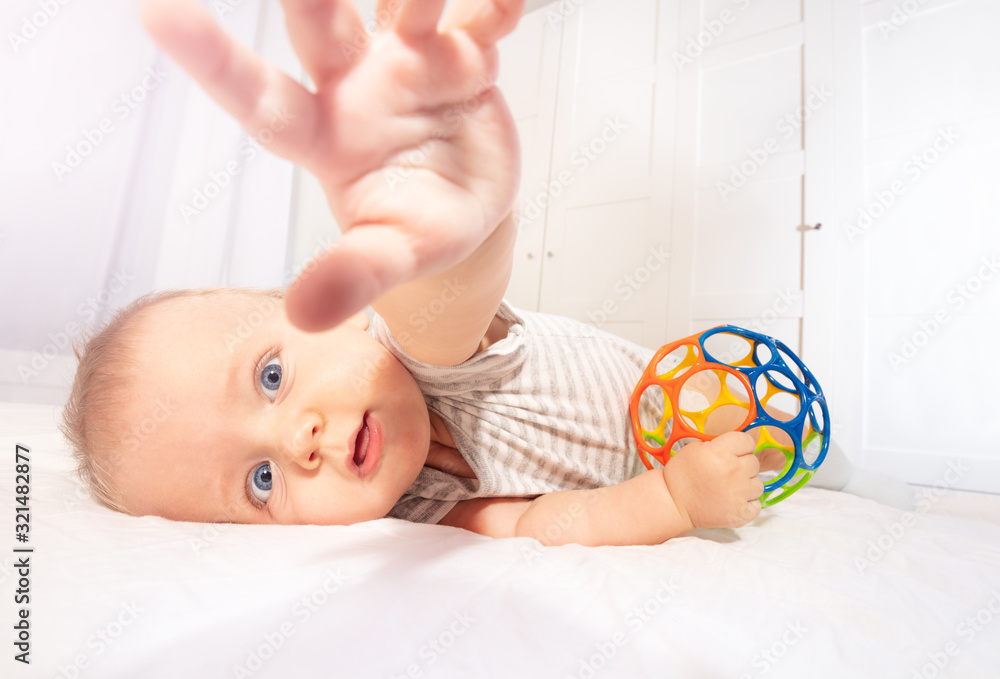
(303, 443)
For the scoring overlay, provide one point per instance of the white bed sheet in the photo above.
(794, 594)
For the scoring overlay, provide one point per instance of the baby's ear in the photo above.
(359, 319)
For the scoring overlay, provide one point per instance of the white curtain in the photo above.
(118, 177)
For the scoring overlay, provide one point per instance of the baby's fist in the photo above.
(714, 483)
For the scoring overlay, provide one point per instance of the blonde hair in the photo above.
(92, 418)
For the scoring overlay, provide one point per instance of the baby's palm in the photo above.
(415, 149)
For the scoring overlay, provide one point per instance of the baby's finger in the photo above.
(742, 442)
(485, 20)
(328, 35)
(750, 465)
(417, 18)
(364, 263)
(259, 96)
(756, 488)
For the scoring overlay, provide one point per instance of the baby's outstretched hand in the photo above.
(416, 150)
(714, 483)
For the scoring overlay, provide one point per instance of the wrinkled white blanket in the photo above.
(822, 585)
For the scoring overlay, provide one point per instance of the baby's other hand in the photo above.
(414, 146)
(714, 483)
(771, 460)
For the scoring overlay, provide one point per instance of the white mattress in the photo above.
(804, 591)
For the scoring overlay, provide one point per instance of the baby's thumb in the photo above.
(360, 267)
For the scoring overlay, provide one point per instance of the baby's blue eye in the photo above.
(260, 482)
(270, 378)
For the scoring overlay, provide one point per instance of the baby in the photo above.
(503, 422)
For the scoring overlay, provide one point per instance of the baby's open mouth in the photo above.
(361, 442)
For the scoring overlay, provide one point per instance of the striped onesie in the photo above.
(542, 410)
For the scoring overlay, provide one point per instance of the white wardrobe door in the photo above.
(606, 250)
(741, 159)
(529, 75)
(919, 246)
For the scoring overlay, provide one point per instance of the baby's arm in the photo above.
(441, 319)
(413, 145)
(705, 485)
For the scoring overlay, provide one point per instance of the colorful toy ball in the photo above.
(731, 379)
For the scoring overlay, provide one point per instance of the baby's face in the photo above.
(259, 422)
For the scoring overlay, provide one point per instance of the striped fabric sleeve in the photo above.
(480, 370)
